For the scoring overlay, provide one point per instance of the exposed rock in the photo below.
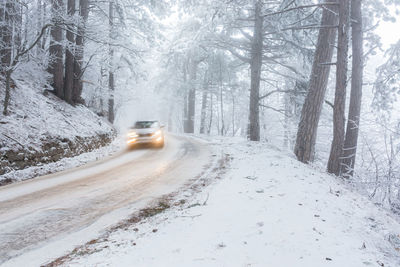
(52, 149)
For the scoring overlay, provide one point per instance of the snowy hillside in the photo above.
(267, 210)
(43, 129)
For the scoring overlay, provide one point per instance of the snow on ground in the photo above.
(268, 210)
(35, 115)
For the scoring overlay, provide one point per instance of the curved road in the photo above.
(37, 212)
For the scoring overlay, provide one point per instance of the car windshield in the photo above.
(145, 124)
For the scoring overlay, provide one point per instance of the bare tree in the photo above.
(255, 69)
(311, 111)
(15, 60)
(185, 98)
(192, 94)
(7, 12)
(353, 121)
(204, 100)
(7, 9)
(69, 56)
(56, 68)
(111, 82)
(79, 49)
(340, 91)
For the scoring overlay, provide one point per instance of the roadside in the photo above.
(63, 163)
(46, 217)
(42, 131)
(268, 210)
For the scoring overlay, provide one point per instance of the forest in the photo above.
(312, 77)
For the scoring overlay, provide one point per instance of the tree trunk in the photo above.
(77, 89)
(203, 112)
(233, 114)
(311, 111)
(192, 96)
(211, 114)
(56, 67)
(44, 40)
(185, 112)
(7, 94)
(340, 91)
(111, 84)
(255, 69)
(185, 99)
(6, 10)
(39, 22)
(204, 105)
(170, 114)
(69, 57)
(3, 29)
(221, 98)
(350, 143)
(288, 113)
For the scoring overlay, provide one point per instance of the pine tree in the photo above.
(311, 111)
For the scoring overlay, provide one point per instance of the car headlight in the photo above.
(157, 133)
(132, 134)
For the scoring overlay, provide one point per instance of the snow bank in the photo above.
(41, 128)
(269, 210)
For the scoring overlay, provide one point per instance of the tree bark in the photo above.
(79, 49)
(211, 114)
(3, 28)
(233, 114)
(350, 143)
(340, 91)
(56, 67)
(221, 99)
(311, 111)
(255, 69)
(39, 21)
(192, 96)
(6, 10)
(185, 99)
(111, 82)
(204, 105)
(69, 57)
(44, 39)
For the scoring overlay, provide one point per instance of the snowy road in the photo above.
(36, 213)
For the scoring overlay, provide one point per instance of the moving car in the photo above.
(146, 132)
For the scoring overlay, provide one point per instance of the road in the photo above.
(36, 213)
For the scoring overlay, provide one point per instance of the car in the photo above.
(146, 132)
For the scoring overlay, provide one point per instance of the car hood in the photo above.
(145, 131)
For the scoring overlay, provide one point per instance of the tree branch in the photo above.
(302, 7)
(329, 103)
(279, 91)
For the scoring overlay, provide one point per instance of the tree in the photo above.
(204, 100)
(79, 49)
(111, 83)
(255, 70)
(353, 120)
(69, 56)
(191, 98)
(7, 10)
(21, 50)
(340, 91)
(56, 68)
(311, 111)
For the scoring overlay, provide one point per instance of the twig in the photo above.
(13, 140)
